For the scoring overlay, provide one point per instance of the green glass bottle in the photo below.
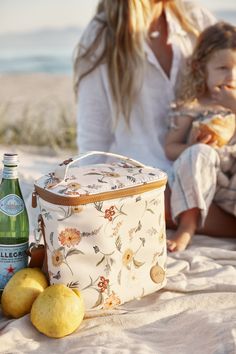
(14, 222)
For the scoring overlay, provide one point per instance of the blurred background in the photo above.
(37, 40)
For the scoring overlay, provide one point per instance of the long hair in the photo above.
(219, 36)
(122, 27)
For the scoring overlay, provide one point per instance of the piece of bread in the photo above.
(221, 128)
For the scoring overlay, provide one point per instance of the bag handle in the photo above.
(62, 169)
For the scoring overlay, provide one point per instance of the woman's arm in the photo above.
(176, 138)
(94, 116)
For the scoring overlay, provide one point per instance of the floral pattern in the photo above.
(103, 283)
(127, 257)
(100, 178)
(109, 213)
(74, 186)
(111, 302)
(57, 258)
(69, 237)
(51, 181)
(114, 250)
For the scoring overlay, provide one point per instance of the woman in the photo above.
(125, 72)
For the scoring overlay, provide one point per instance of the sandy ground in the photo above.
(34, 162)
(37, 115)
(32, 106)
(35, 87)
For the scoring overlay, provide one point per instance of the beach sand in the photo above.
(37, 115)
(34, 106)
(34, 162)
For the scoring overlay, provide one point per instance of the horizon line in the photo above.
(80, 27)
(41, 29)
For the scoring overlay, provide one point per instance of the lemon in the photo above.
(21, 291)
(58, 311)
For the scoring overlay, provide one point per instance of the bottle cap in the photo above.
(10, 159)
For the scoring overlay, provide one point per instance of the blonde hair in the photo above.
(122, 30)
(216, 37)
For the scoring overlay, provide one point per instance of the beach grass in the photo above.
(37, 110)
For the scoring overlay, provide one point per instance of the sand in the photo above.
(34, 162)
(37, 115)
(33, 106)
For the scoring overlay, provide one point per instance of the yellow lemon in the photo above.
(58, 311)
(21, 291)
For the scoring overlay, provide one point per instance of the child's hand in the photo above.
(197, 137)
(225, 96)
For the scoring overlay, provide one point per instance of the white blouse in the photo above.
(144, 139)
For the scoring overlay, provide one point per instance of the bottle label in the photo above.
(11, 205)
(12, 259)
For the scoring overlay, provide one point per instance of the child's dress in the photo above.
(194, 177)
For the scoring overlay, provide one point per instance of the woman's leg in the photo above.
(219, 223)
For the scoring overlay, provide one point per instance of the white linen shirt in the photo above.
(144, 140)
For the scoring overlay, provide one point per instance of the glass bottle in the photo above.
(14, 222)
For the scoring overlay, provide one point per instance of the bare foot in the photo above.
(188, 221)
(179, 242)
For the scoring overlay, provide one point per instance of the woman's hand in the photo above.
(225, 96)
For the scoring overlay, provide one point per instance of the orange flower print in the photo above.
(109, 213)
(103, 283)
(111, 302)
(57, 258)
(69, 237)
(127, 257)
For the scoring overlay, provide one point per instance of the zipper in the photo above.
(86, 199)
(34, 199)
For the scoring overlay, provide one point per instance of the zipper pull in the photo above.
(34, 199)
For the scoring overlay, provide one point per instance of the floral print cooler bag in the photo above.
(104, 228)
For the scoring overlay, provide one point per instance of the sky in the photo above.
(30, 15)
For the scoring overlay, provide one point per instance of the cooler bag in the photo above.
(104, 228)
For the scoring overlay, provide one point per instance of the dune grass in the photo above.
(45, 117)
(39, 125)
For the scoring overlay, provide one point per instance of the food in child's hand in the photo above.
(58, 311)
(221, 129)
(21, 291)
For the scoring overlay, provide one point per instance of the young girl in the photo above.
(208, 89)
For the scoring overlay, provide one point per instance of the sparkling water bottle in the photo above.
(14, 223)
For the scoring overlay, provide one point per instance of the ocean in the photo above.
(45, 51)
(50, 51)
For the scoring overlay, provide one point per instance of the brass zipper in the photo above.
(85, 199)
